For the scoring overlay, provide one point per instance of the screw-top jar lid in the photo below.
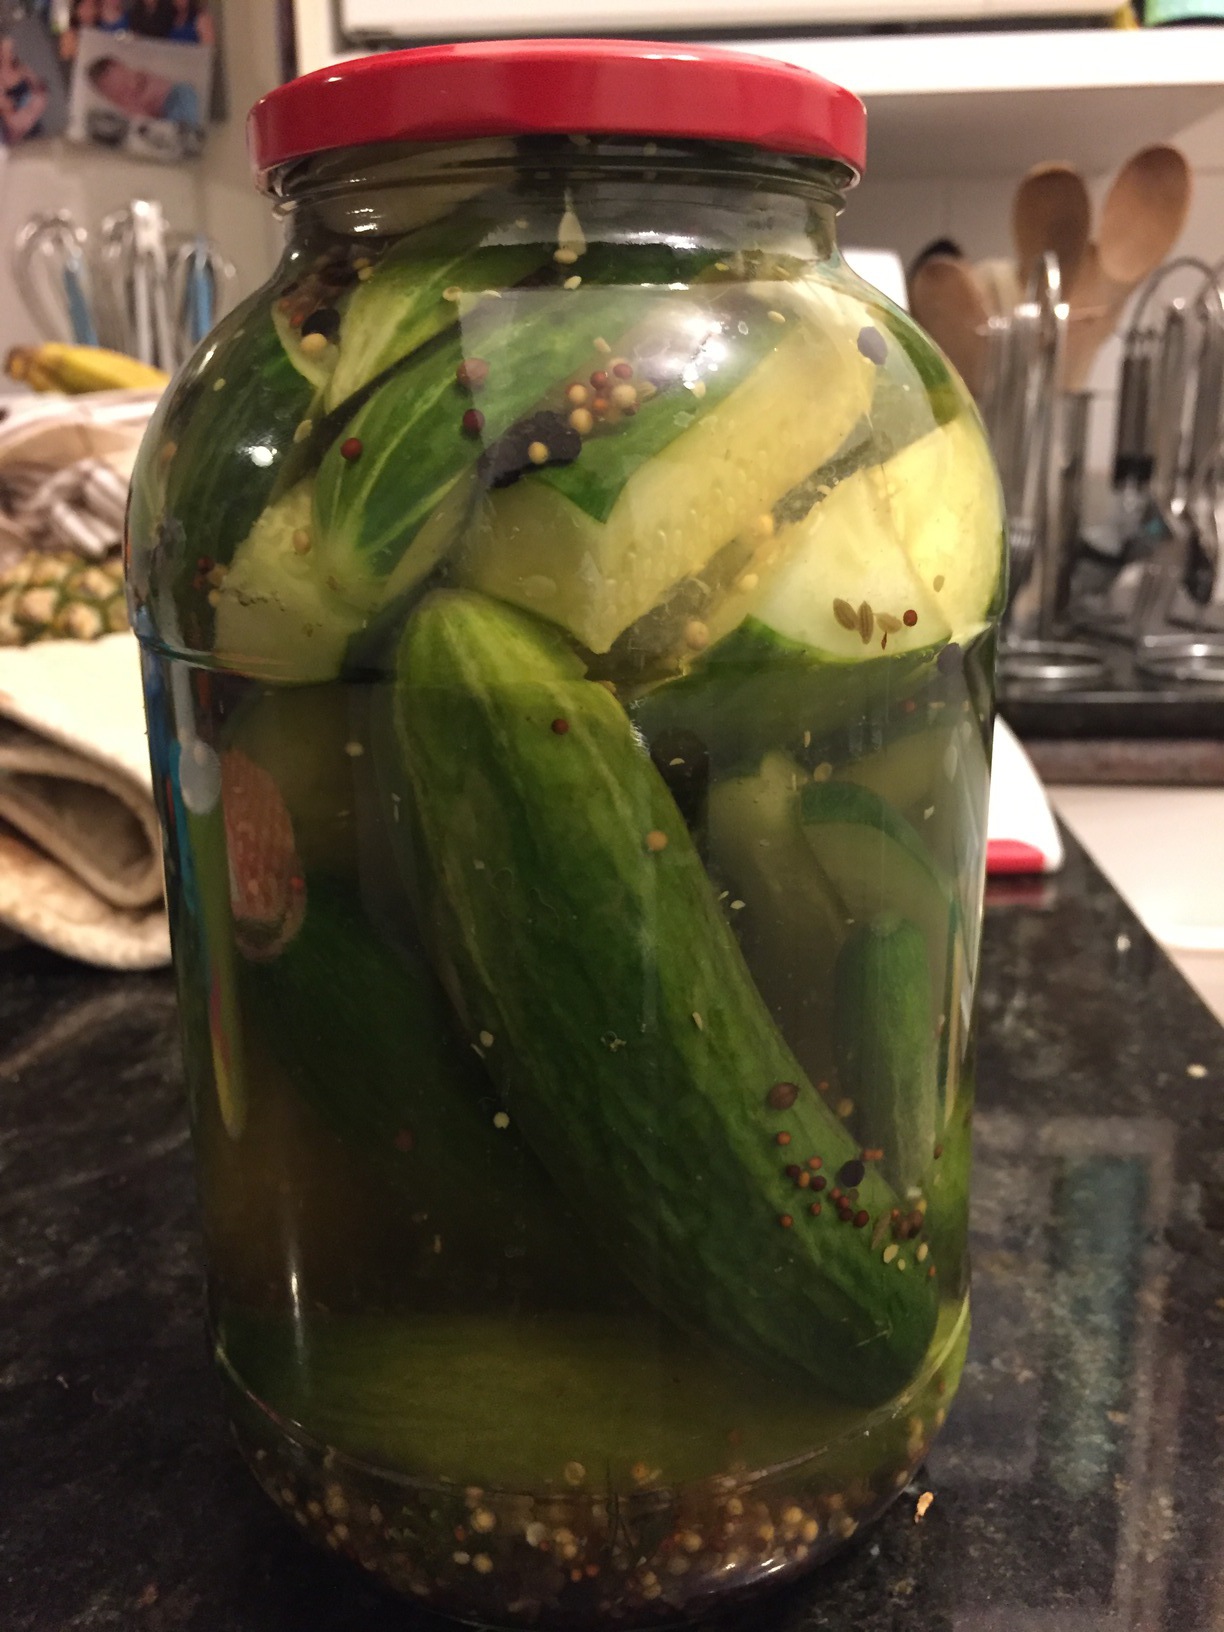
(558, 87)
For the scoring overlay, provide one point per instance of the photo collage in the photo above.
(131, 75)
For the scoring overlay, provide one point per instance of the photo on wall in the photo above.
(32, 97)
(70, 17)
(182, 22)
(186, 22)
(145, 96)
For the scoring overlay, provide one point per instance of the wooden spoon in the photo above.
(947, 300)
(1051, 212)
(1144, 214)
(1142, 219)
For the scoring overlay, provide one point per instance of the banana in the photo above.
(77, 369)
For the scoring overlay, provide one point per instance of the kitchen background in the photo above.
(958, 114)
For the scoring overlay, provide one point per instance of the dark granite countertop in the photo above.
(1078, 1486)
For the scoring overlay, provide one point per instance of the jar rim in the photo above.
(590, 87)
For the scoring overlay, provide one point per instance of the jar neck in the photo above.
(622, 189)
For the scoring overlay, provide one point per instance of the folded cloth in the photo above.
(80, 508)
(64, 469)
(80, 851)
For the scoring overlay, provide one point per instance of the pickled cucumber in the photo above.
(844, 612)
(629, 1041)
(595, 559)
(406, 447)
(532, 1407)
(886, 1045)
(200, 480)
(947, 509)
(403, 300)
(788, 917)
(877, 864)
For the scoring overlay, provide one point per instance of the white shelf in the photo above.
(975, 104)
(436, 19)
(991, 104)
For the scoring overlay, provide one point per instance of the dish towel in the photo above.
(80, 847)
(64, 469)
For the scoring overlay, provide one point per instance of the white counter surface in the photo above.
(1163, 848)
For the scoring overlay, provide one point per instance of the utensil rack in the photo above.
(1167, 602)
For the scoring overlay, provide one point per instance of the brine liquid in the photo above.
(439, 1369)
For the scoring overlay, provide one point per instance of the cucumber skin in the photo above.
(358, 1029)
(885, 1044)
(658, 1131)
(947, 1192)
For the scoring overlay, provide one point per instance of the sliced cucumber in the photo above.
(389, 466)
(925, 366)
(832, 619)
(424, 285)
(315, 371)
(536, 546)
(788, 918)
(877, 864)
(908, 772)
(948, 513)
(201, 478)
(847, 553)
(277, 614)
(758, 690)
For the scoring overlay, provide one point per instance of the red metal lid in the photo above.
(558, 87)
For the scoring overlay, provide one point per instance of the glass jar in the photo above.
(567, 597)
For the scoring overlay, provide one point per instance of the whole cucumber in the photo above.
(468, 1398)
(633, 1051)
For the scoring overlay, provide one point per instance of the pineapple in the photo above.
(60, 597)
